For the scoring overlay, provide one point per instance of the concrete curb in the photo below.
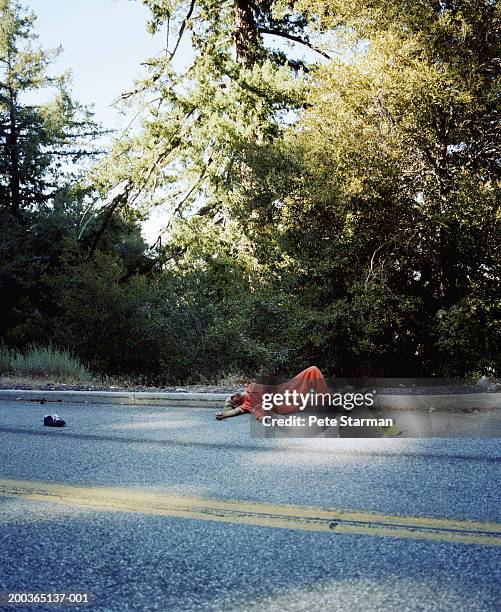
(458, 401)
(173, 400)
(466, 401)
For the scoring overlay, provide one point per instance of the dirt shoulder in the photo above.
(29, 385)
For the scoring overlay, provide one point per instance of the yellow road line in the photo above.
(304, 518)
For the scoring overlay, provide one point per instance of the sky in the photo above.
(104, 43)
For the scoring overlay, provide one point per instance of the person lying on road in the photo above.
(250, 401)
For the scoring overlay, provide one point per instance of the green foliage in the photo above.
(379, 210)
(49, 363)
(169, 329)
(7, 356)
(43, 362)
(343, 212)
(469, 336)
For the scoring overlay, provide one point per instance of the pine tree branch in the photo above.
(171, 54)
(294, 38)
(182, 29)
(117, 201)
(76, 153)
(185, 198)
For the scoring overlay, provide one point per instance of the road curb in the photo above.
(466, 401)
(458, 401)
(143, 398)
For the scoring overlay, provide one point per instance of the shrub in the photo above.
(7, 357)
(48, 362)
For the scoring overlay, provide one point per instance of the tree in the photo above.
(42, 158)
(381, 206)
(40, 142)
(197, 121)
(360, 191)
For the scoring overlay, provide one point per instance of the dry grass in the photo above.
(46, 364)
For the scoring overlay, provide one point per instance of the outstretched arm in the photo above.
(229, 413)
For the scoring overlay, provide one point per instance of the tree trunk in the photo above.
(245, 34)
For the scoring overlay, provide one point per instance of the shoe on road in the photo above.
(53, 420)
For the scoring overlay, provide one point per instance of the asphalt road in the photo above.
(132, 558)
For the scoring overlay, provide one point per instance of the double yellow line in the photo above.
(303, 518)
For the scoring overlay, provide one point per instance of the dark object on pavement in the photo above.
(53, 420)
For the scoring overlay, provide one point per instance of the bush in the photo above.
(469, 337)
(48, 362)
(7, 357)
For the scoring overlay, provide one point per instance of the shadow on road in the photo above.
(251, 448)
